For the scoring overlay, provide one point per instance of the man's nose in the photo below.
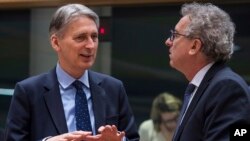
(168, 42)
(90, 43)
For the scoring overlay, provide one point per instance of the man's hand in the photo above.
(72, 136)
(107, 133)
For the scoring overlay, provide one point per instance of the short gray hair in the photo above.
(213, 27)
(65, 14)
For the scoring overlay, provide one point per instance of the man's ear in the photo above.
(197, 44)
(54, 42)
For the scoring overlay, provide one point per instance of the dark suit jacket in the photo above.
(221, 100)
(1, 133)
(36, 109)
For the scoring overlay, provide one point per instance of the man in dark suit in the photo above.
(199, 47)
(43, 106)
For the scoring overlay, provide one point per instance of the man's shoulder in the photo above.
(39, 78)
(228, 74)
(97, 76)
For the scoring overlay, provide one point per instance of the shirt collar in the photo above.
(201, 74)
(65, 80)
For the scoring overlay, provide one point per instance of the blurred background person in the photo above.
(163, 119)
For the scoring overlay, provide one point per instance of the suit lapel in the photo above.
(98, 100)
(205, 82)
(54, 104)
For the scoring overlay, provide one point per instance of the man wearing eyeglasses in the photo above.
(199, 47)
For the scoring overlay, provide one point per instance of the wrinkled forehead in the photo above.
(81, 22)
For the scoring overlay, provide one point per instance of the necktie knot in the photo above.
(190, 88)
(77, 84)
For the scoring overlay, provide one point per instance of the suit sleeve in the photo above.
(126, 119)
(18, 119)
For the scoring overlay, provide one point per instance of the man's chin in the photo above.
(87, 65)
(171, 64)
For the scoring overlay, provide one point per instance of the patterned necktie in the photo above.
(81, 108)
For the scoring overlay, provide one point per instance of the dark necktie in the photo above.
(189, 90)
(81, 108)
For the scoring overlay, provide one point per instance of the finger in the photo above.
(70, 136)
(94, 138)
(114, 129)
(77, 135)
(100, 129)
(85, 133)
(121, 134)
(108, 128)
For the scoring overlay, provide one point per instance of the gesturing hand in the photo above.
(107, 133)
(72, 136)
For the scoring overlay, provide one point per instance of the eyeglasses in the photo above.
(173, 35)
